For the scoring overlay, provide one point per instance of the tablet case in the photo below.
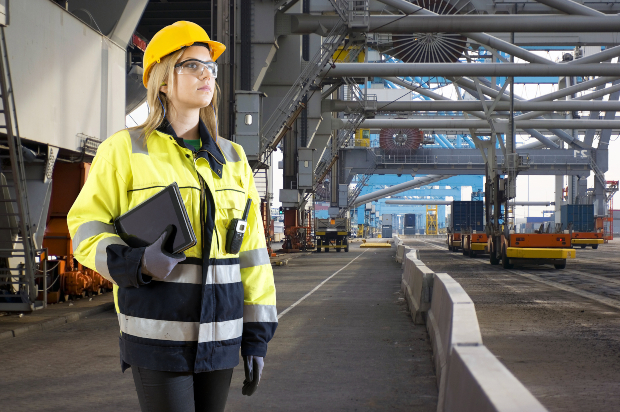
(142, 225)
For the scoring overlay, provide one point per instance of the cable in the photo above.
(394, 21)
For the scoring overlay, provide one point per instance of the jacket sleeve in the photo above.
(260, 317)
(103, 198)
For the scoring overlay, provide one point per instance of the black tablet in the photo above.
(142, 225)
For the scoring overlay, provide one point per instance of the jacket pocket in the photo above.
(229, 203)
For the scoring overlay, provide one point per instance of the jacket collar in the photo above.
(209, 150)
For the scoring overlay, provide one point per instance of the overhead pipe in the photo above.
(416, 182)
(417, 202)
(482, 38)
(477, 114)
(458, 124)
(570, 7)
(476, 105)
(470, 70)
(465, 24)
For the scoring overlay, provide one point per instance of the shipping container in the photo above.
(386, 220)
(581, 216)
(467, 215)
(386, 231)
(409, 227)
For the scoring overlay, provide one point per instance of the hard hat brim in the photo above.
(217, 49)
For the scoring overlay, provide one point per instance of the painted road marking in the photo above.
(285, 311)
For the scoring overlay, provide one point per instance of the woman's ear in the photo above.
(163, 88)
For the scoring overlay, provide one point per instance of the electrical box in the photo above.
(387, 220)
(305, 169)
(289, 197)
(248, 110)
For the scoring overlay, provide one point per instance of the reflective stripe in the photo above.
(101, 256)
(228, 150)
(218, 331)
(260, 313)
(184, 274)
(90, 229)
(137, 144)
(256, 257)
(223, 274)
(158, 329)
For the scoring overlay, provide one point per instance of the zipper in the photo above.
(203, 205)
(214, 158)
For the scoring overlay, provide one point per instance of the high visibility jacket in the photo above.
(213, 302)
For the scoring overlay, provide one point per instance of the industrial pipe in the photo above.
(478, 114)
(449, 202)
(417, 202)
(470, 70)
(495, 23)
(570, 7)
(476, 105)
(416, 182)
(458, 124)
(482, 38)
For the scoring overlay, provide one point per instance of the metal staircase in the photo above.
(18, 290)
(291, 105)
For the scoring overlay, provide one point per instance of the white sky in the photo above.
(532, 188)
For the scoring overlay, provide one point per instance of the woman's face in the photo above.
(190, 92)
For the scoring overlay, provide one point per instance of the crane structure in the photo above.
(346, 90)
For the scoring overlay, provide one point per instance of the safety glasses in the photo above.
(196, 68)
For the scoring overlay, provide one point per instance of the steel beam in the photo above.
(471, 70)
(447, 124)
(473, 105)
(419, 23)
(570, 7)
(416, 182)
(417, 202)
(477, 114)
(439, 161)
(482, 38)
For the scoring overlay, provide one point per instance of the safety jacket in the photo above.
(213, 302)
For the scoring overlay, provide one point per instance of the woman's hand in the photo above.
(156, 261)
(253, 366)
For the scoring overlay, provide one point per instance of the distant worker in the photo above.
(183, 317)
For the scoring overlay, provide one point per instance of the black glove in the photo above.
(156, 261)
(253, 366)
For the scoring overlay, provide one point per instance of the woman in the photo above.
(183, 317)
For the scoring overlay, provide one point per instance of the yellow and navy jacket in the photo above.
(213, 302)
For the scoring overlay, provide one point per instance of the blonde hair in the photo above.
(163, 72)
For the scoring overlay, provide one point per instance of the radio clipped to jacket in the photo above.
(236, 230)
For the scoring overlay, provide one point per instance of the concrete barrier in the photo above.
(478, 382)
(417, 285)
(469, 377)
(451, 321)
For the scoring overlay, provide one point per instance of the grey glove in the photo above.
(253, 366)
(156, 261)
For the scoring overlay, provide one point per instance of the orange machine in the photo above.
(454, 242)
(474, 244)
(583, 239)
(296, 237)
(533, 248)
(72, 278)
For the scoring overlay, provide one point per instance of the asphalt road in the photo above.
(348, 346)
(557, 331)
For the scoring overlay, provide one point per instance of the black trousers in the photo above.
(160, 391)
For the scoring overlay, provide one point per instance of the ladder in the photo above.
(18, 290)
(260, 180)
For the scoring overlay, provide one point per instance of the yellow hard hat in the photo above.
(174, 37)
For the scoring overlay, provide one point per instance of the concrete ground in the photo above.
(557, 331)
(348, 346)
